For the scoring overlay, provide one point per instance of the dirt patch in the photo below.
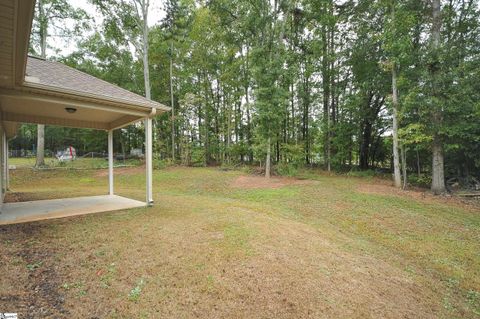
(121, 171)
(252, 182)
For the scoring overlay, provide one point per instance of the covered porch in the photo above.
(38, 91)
(40, 106)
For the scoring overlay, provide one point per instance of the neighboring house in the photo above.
(34, 90)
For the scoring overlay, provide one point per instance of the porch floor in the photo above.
(22, 212)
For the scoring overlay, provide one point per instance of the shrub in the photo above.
(293, 159)
(159, 163)
(286, 169)
(236, 151)
(422, 181)
(198, 157)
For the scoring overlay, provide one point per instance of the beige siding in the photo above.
(7, 9)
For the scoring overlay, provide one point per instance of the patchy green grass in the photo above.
(330, 246)
(79, 163)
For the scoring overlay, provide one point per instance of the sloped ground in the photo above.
(224, 245)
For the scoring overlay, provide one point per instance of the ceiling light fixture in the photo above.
(71, 110)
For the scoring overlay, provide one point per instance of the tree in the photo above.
(438, 175)
(397, 43)
(396, 159)
(127, 22)
(50, 15)
(269, 61)
(284, 83)
(173, 26)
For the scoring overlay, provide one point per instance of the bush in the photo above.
(229, 166)
(422, 181)
(237, 150)
(286, 169)
(293, 159)
(198, 157)
(294, 155)
(161, 163)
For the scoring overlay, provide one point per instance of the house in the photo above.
(38, 91)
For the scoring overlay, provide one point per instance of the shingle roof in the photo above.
(58, 75)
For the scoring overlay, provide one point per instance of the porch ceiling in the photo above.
(42, 108)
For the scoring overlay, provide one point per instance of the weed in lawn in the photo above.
(200, 266)
(73, 285)
(134, 294)
(473, 298)
(447, 304)
(78, 287)
(210, 283)
(409, 269)
(34, 266)
(100, 253)
(106, 277)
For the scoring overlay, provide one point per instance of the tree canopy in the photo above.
(297, 82)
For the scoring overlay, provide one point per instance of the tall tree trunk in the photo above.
(438, 177)
(249, 126)
(438, 174)
(326, 94)
(267, 161)
(365, 146)
(247, 103)
(292, 108)
(229, 129)
(419, 171)
(40, 160)
(397, 179)
(404, 166)
(331, 77)
(206, 116)
(146, 72)
(306, 115)
(172, 101)
(40, 146)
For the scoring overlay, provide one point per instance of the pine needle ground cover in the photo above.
(223, 244)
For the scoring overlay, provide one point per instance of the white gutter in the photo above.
(74, 94)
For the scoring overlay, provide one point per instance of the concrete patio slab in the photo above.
(22, 212)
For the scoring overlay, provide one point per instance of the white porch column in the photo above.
(7, 170)
(3, 187)
(110, 162)
(148, 160)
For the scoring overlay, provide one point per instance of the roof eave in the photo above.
(24, 13)
(79, 95)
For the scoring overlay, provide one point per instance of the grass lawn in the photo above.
(222, 244)
(79, 163)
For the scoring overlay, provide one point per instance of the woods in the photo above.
(342, 85)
